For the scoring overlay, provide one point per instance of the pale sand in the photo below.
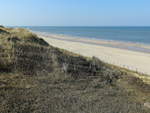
(133, 60)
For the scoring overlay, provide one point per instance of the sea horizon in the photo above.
(132, 34)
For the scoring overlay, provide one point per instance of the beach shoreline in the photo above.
(125, 58)
(139, 47)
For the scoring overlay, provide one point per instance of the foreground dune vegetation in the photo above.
(38, 78)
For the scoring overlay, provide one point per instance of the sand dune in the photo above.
(133, 60)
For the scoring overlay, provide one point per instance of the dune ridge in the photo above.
(36, 77)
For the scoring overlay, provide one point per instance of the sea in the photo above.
(126, 34)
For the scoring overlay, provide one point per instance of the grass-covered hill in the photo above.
(38, 78)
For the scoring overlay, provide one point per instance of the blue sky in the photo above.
(75, 12)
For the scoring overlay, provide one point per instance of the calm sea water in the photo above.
(129, 34)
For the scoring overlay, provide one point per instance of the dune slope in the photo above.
(36, 77)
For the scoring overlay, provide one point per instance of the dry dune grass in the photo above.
(38, 78)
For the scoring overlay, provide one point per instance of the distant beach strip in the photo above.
(121, 54)
(139, 47)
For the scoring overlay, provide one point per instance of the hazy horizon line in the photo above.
(70, 26)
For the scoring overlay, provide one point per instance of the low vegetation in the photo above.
(38, 78)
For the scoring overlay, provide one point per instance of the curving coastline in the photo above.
(132, 56)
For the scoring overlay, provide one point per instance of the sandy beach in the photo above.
(120, 54)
